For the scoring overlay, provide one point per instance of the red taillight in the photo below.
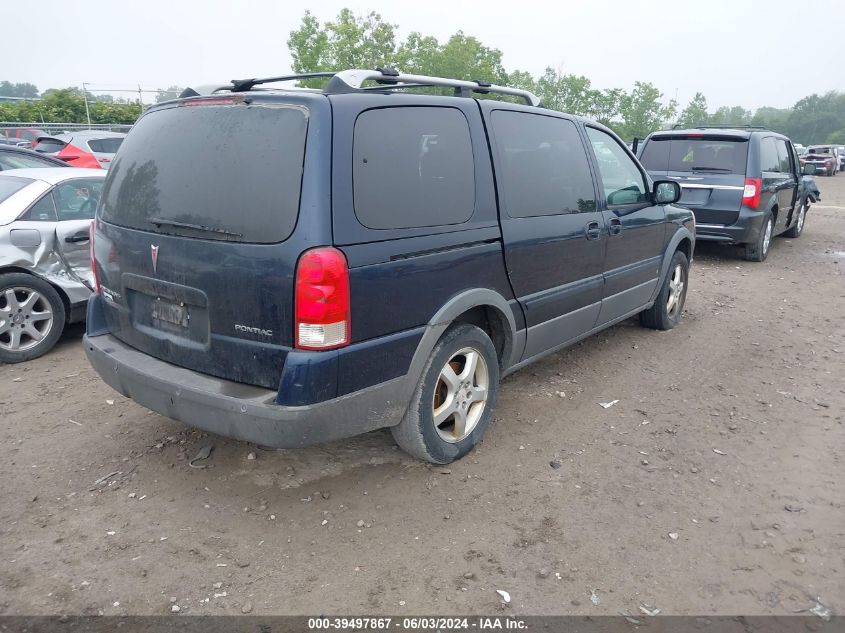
(93, 261)
(212, 101)
(751, 192)
(322, 300)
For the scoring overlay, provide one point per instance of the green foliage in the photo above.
(837, 137)
(643, 111)
(695, 113)
(172, 92)
(25, 90)
(349, 42)
(367, 41)
(68, 106)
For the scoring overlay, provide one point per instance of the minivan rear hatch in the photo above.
(191, 231)
(710, 169)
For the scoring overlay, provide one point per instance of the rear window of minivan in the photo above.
(695, 153)
(226, 172)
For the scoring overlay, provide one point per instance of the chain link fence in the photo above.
(15, 128)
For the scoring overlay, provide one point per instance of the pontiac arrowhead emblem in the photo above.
(154, 256)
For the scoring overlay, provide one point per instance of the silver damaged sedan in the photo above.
(45, 270)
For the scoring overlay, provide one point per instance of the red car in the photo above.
(87, 148)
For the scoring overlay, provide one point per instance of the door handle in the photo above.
(82, 236)
(592, 231)
(615, 226)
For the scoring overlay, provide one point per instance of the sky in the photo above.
(736, 52)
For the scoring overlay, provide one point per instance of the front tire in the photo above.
(669, 305)
(452, 406)
(32, 317)
(796, 229)
(758, 250)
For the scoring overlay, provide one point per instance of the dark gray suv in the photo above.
(743, 184)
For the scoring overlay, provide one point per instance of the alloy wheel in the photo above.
(26, 319)
(460, 395)
(676, 291)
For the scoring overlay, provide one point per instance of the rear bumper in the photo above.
(746, 228)
(241, 411)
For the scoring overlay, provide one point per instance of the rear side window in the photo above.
(543, 165)
(225, 172)
(105, 145)
(50, 145)
(10, 186)
(42, 211)
(769, 159)
(688, 154)
(412, 168)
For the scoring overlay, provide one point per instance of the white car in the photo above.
(45, 269)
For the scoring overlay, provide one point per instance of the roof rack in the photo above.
(350, 81)
(717, 126)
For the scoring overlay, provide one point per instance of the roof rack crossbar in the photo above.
(353, 80)
(345, 81)
(241, 85)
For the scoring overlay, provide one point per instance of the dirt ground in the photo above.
(714, 485)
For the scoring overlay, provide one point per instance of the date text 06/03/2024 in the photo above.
(417, 623)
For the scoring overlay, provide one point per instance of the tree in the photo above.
(567, 93)
(172, 92)
(816, 117)
(695, 113)
(349, 42)
(21, 90)
(837, 137)
(642, 111)
(736, 115)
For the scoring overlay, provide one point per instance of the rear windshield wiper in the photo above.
(710, 169)
(195, 227)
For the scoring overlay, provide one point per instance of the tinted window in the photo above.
(105, 145)
(77, 199)
(769, 159)
(9, 160)
(784, 165)
(820, 150)
(9, 186)
(695, 154)
(232, 172)
(42, 211)
(621, 178)
(50, 146)
(412, 167)
(543, 165)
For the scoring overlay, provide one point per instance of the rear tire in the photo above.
(669, 305)
(32, 317)
(452, 406)
(758, 250)
(796, 229)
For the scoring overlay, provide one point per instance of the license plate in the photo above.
(171, 313)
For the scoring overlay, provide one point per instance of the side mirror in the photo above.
(808, 169)
(666, 192)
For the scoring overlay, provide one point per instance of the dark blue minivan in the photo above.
(292, 266)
